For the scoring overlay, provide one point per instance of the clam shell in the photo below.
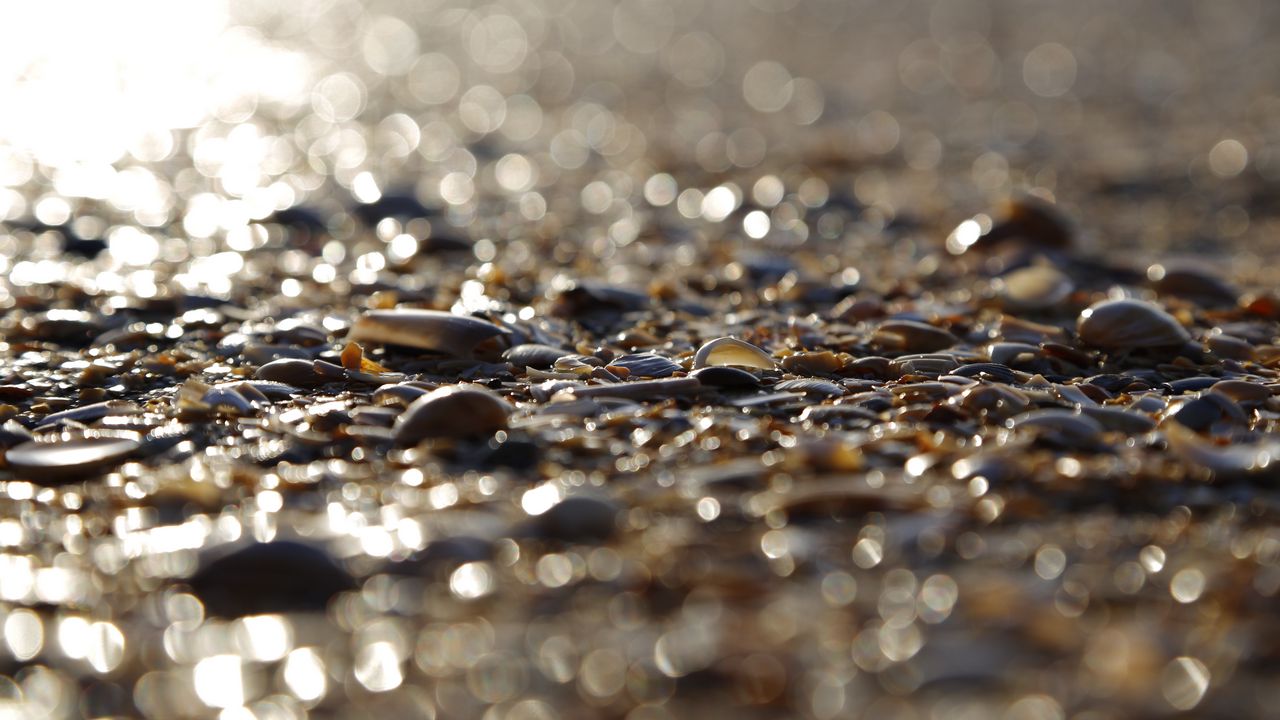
(534, 355)
(725, 377)
(1064, 425)
(812, 362)
(647, 365)
(290, 372)
(1235, 460)
(68, 460)
(90, 413)
(913, 336)
(810, 386)
(1129, 324)
(434, 330)
(455, 411)
(733, 352)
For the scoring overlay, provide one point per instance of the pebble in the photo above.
(274, 577)
(455, 411)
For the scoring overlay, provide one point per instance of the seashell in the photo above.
(1202, 413)
(273, 577)
(1193, 283)
(1229, 346)
(1018, 330)
(90, 413)
(648, 365)
(825, 362)
(725, 377)
(433, 330)
(398, 394)
(1035, 288)
(639, 390)
(913, 336)
(986, 371)
(13, 433)
(290, 372)
(839, 415)
(68, 460)
(534, 355)
(455, 411)
(872, 366)
(1120, 419)
(732, 352)
(270, 390)
(922, 392)
(810, 386)
(1242, 391)
(1007, 353)
(1062, 425)
(228, 400)
(996, 400)
(1226, 461)
(924, 364)
(1129, 324)
(1027, 220)
(263, 353)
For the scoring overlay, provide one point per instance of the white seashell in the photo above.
(732, 351)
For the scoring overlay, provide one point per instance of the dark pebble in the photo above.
(270, 577)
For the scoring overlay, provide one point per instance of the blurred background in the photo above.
(203, 117)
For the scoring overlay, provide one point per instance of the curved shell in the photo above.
(455, 411)
(68, 460)
(534, 355)
(1127, 324)
(732, 352)
(647, 365)
(913, 336)
(433, 330)
(1059, 422)
(289, 371)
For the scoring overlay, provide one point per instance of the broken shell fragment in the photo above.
(68, 460)
(433, 330)
(456, 411)
(732, 352)
(1129, 324)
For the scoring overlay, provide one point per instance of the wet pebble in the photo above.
(1130, 324)
(455, 411)
(579, 519)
